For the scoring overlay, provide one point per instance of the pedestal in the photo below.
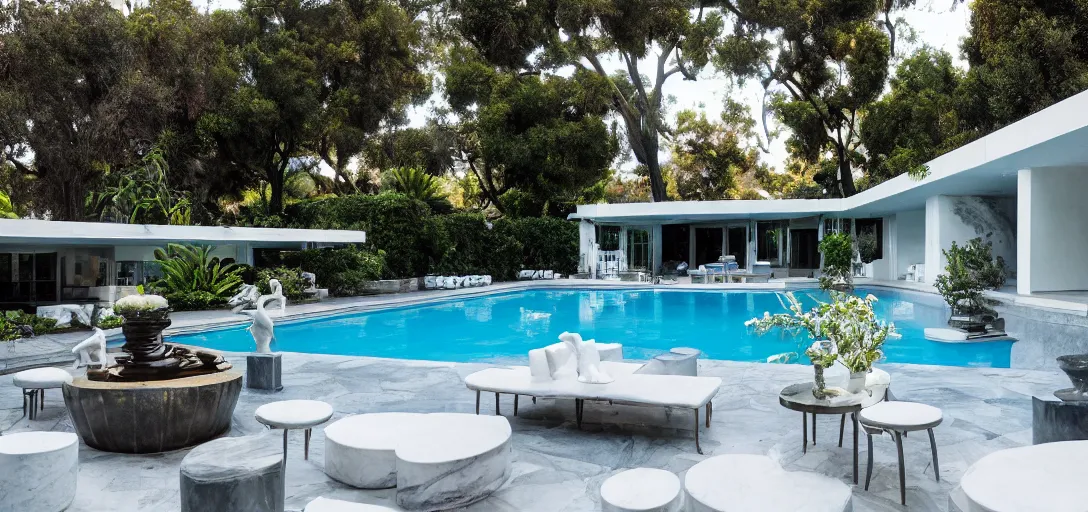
(264, 371)
(1055, 420)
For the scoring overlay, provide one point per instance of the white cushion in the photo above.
(901, 416)
(330, 505)
(538, 365)
(561, 363)
(294, 413)
(42, 378)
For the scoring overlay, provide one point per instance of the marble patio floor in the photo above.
(557, 467)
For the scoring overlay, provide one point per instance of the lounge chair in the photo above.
(628, 387)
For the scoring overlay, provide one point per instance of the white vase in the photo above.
(856, 384)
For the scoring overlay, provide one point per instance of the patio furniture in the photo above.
(898, 418)
(610, 351)
(677, 361)
(437, 461)
(1044, 477)
(230, 474)
(798, 397)
(34, 383)
(877, 383)
(294, 414)
(670, 391)
(698, 276)
(38, 471)
(331, 505)
(641, 490)
(741, 483)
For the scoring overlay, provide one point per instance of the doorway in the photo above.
(738, 245)
(804, 248)
(708, 246)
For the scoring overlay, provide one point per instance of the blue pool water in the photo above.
(508, 325)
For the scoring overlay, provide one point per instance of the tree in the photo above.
(1025, 55)
(917, 120)
(534, 142)
(710, 159)
(830, 60)
(584, 33)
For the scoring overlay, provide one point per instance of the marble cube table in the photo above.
(231, 474)
(38, 471)
(264, 371)
(437, 461)
(331, 505)
(740, 483)
(641, 490)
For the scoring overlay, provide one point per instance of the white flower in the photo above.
(140, 303)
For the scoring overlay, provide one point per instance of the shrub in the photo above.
(479, 247)
(17, 324)
(196, 300)
(412, 239)
(290, 278)
(838, 252)
(970, 270)
(868, 247)
(188, 268)
(547, 242)
(110, 322)
(344, 271)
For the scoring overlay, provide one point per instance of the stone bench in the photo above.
(38, 471)
(756, 482)
(233, 473)
(641, 490)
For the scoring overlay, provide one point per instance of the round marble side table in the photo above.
(294, 414)
(641, 490)
(38, 471)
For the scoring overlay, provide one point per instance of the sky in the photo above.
(935, 23)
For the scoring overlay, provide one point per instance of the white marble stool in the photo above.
(1048, 476)
(360, 450)
(294, 414)
(331, 505)
(35, 382)
(38, 471)
(898, 418)
(742, 483)
(641, 490)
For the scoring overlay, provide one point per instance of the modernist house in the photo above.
(1024, 188)
(48, 262)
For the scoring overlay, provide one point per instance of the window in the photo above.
(876, 227)
(132, 273)
(608, 238)
(28, 277)
(638, 249)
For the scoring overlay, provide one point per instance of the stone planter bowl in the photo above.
(1076, 367)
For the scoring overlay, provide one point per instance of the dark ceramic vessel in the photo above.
(1076, 367)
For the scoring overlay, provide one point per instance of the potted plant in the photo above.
(845, 329)
(970, 271)
(838, 268)
(146, 316)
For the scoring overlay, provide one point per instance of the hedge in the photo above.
(344, 271)
(479, 247)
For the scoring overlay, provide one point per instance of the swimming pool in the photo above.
(505, 326)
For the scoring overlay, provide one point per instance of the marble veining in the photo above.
(38, 471)
(233, 474)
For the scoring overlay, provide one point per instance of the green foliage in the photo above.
(7, 211)
(480, 247)
(189, 269)
(194, 300)
(417, 184)
(709, 159)
(17, 324)
(110, 322)
(289, 278)
(868, 246)
(971, 269)
(140, 195)
(838, 270)
(547, 242)
(412, 239)
(344, 271)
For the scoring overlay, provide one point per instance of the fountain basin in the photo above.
(1076, 367)
(152, 416)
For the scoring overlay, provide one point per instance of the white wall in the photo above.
(1054, 248)
(961, 218)
(910, 243)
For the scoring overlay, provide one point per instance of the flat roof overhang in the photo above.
(1049, 140)
(61, 233)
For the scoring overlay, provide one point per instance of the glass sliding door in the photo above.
(708, 245)
(738, 245)
(638, 249)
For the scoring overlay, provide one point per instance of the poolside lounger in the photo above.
(677, 391)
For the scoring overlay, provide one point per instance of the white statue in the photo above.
(589, 361)
(262, 328)
(246, 296)
(485, 280)
(277, 294)
(430, 282)
(92, 351)
(450, 282)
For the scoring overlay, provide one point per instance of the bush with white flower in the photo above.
(141, 306)
(845, 329)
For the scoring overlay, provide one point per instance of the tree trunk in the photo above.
(846, 176)
(657, 181)
(275, 185)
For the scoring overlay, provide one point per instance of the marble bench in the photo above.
(38, 471)
(641, 490)
(231, 474)
(437, 461)
(734, 483)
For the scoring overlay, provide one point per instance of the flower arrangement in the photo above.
(845, 329)
(141, 305)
